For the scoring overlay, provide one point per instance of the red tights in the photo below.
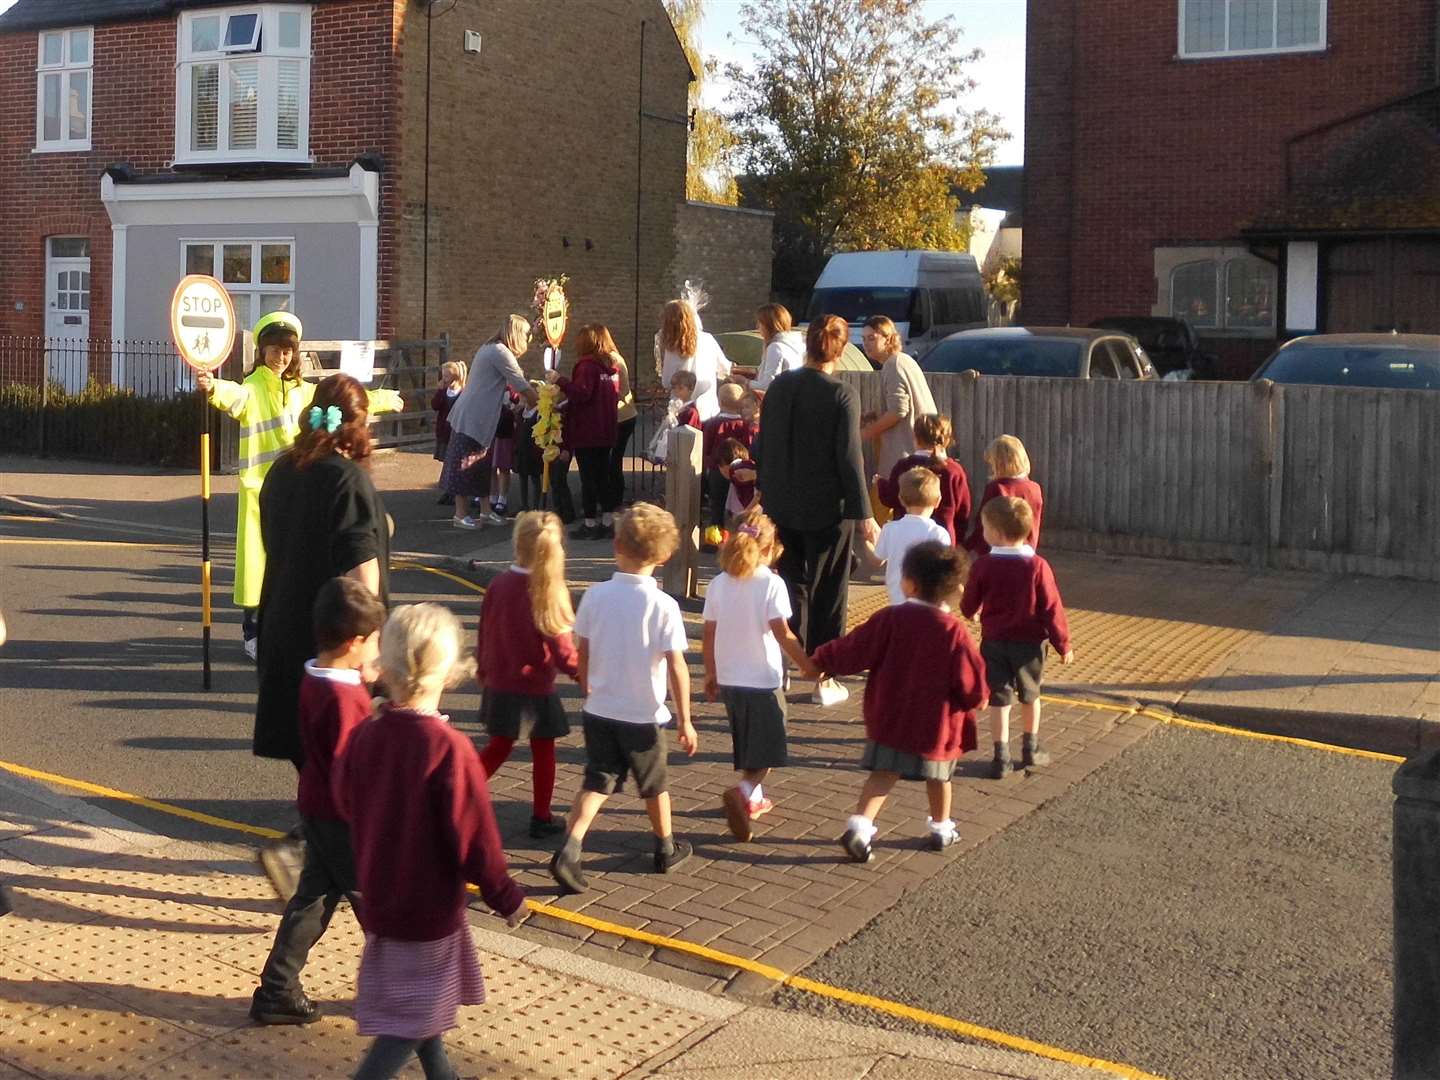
(542, 752)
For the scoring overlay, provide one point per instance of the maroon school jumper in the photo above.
(511, 655)
(954, 490)
(689, 415)
(926, 678)
(414, 793)
(1018, 600)
(592, 394)
(1015, 487)
(330, 711)
(719, 428)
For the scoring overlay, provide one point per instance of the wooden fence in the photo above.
(1289, 477)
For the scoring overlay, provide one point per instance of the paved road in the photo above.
(1204, 907)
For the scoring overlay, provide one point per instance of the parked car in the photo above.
(1387, 361)
(927, 294)
(1062, 352)
(743, 349)
(1172, 344)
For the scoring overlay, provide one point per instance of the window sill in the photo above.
(68, 148)
(1251, 54)
(287, 158)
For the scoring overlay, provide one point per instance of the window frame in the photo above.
(268, 56)
(1323, 45)
(254, 288)
(1220, 258)
(65, 69)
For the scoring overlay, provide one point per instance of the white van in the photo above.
(928, 294)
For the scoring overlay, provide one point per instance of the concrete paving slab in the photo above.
(92, 1038)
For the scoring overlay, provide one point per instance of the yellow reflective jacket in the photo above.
(269, 412)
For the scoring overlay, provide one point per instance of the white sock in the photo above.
(589, 523)
(607, 520)
(746, 787)
(755, 794)
(862, 826)
(941, 828)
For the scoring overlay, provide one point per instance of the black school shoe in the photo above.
(541, 830)
(586, 532)
(1034, 758)
(292, 1008)
(566, 872)
(7, 902)
(999, 768)
(859, 850)
(941, 841)
(667, 861)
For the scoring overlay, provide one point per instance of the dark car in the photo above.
(1061, 352)
(1384, 361)
(1172, 344)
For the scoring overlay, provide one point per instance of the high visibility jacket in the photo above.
(269, 412)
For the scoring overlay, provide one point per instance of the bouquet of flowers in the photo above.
(548, 426)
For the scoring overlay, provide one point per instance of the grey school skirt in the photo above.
(880, 758)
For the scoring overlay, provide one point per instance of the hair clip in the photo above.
(748, 530)
(330, 418)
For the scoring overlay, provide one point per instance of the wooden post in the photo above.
(682, 498)
(1265, 472)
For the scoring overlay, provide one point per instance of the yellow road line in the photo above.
(438, 573)
(35, 542)
(799, 982)
(34, 518)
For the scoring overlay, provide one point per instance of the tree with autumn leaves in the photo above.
(712, 143)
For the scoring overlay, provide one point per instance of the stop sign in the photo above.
(202, 322)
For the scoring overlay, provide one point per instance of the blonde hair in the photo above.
(420, 651)
(751, 544)
(456, 370)
(1010, 517)
(934, 431)
(919, 487)
(772, 320)
(730, 395)
(514, 334)
(886, 328)
(647, 533)
(1007, 458)
(679, 329)
(540, 548)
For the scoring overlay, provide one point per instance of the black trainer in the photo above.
(566, 872)
(541, 830)
(999, 768)
(1036, 758)
(859, 850)
(585, 532)
(940, 841)
(667, 861)
(291, 1008)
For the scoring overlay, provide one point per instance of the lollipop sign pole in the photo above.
(202, 324)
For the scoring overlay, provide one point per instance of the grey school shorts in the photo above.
(757, 727)
(1012, 666)
(615, 750)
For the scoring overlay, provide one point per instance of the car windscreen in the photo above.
(857, 305)
(1385, 367)
(1008, 356)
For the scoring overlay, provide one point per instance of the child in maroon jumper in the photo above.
(414, 792)
(524, 642)
(724, 426)
(333, 701)
(1020, 608)
(1009, 475)
(925, 679)
(592, 421)
(933, 435)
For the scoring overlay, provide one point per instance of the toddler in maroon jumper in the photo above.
(1009, 466)
(933, 436)
(1019, 603)
(925, 679)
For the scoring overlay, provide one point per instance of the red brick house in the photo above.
(1262, 167)
(385, 168)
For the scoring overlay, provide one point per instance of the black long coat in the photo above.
(317, 523)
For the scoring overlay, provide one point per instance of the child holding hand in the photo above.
(933, 435)
(1009, 466)
(631, 645)
(681, 411)
(919, 495)
(524, 642)
(414, 792)
(926, 678)
(1020, 608)
(452, 381)
(747, 613)
(739, 472)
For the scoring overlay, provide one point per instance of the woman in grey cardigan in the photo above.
(476, 414)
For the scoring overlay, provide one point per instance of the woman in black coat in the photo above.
(320, 518)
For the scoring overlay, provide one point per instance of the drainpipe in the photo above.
(425, 234)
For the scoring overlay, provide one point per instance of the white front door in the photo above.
(67, 310)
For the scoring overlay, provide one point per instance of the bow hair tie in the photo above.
(329, 418)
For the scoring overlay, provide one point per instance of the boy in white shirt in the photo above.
(920, 495)
(631, 642)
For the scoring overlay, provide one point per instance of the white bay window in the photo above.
(243, 85)
(63, 89)
(259, 275)
(1211, 28)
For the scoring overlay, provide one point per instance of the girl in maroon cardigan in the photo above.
(1009, 475)
(414, 793)
(933, 435)
(592, 421)
(926, 679)
(524, 642)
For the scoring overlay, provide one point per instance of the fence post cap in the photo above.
(970, 375)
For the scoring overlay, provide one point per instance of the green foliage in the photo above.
(852, 126)
(101, 422)
(707, 173)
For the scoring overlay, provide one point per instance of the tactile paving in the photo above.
(89, 1040)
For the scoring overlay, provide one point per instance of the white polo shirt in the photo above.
(898, 537)
(629, 626)
(746, 652)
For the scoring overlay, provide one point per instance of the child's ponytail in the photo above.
(933, 430)
(540, 548)
(751, 544)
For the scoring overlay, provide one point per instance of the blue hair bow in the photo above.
(329, 418)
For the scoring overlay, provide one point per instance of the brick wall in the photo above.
(728, 250)
(1128, 148)
(534, 143)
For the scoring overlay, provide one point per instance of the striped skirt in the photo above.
(413, 989)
